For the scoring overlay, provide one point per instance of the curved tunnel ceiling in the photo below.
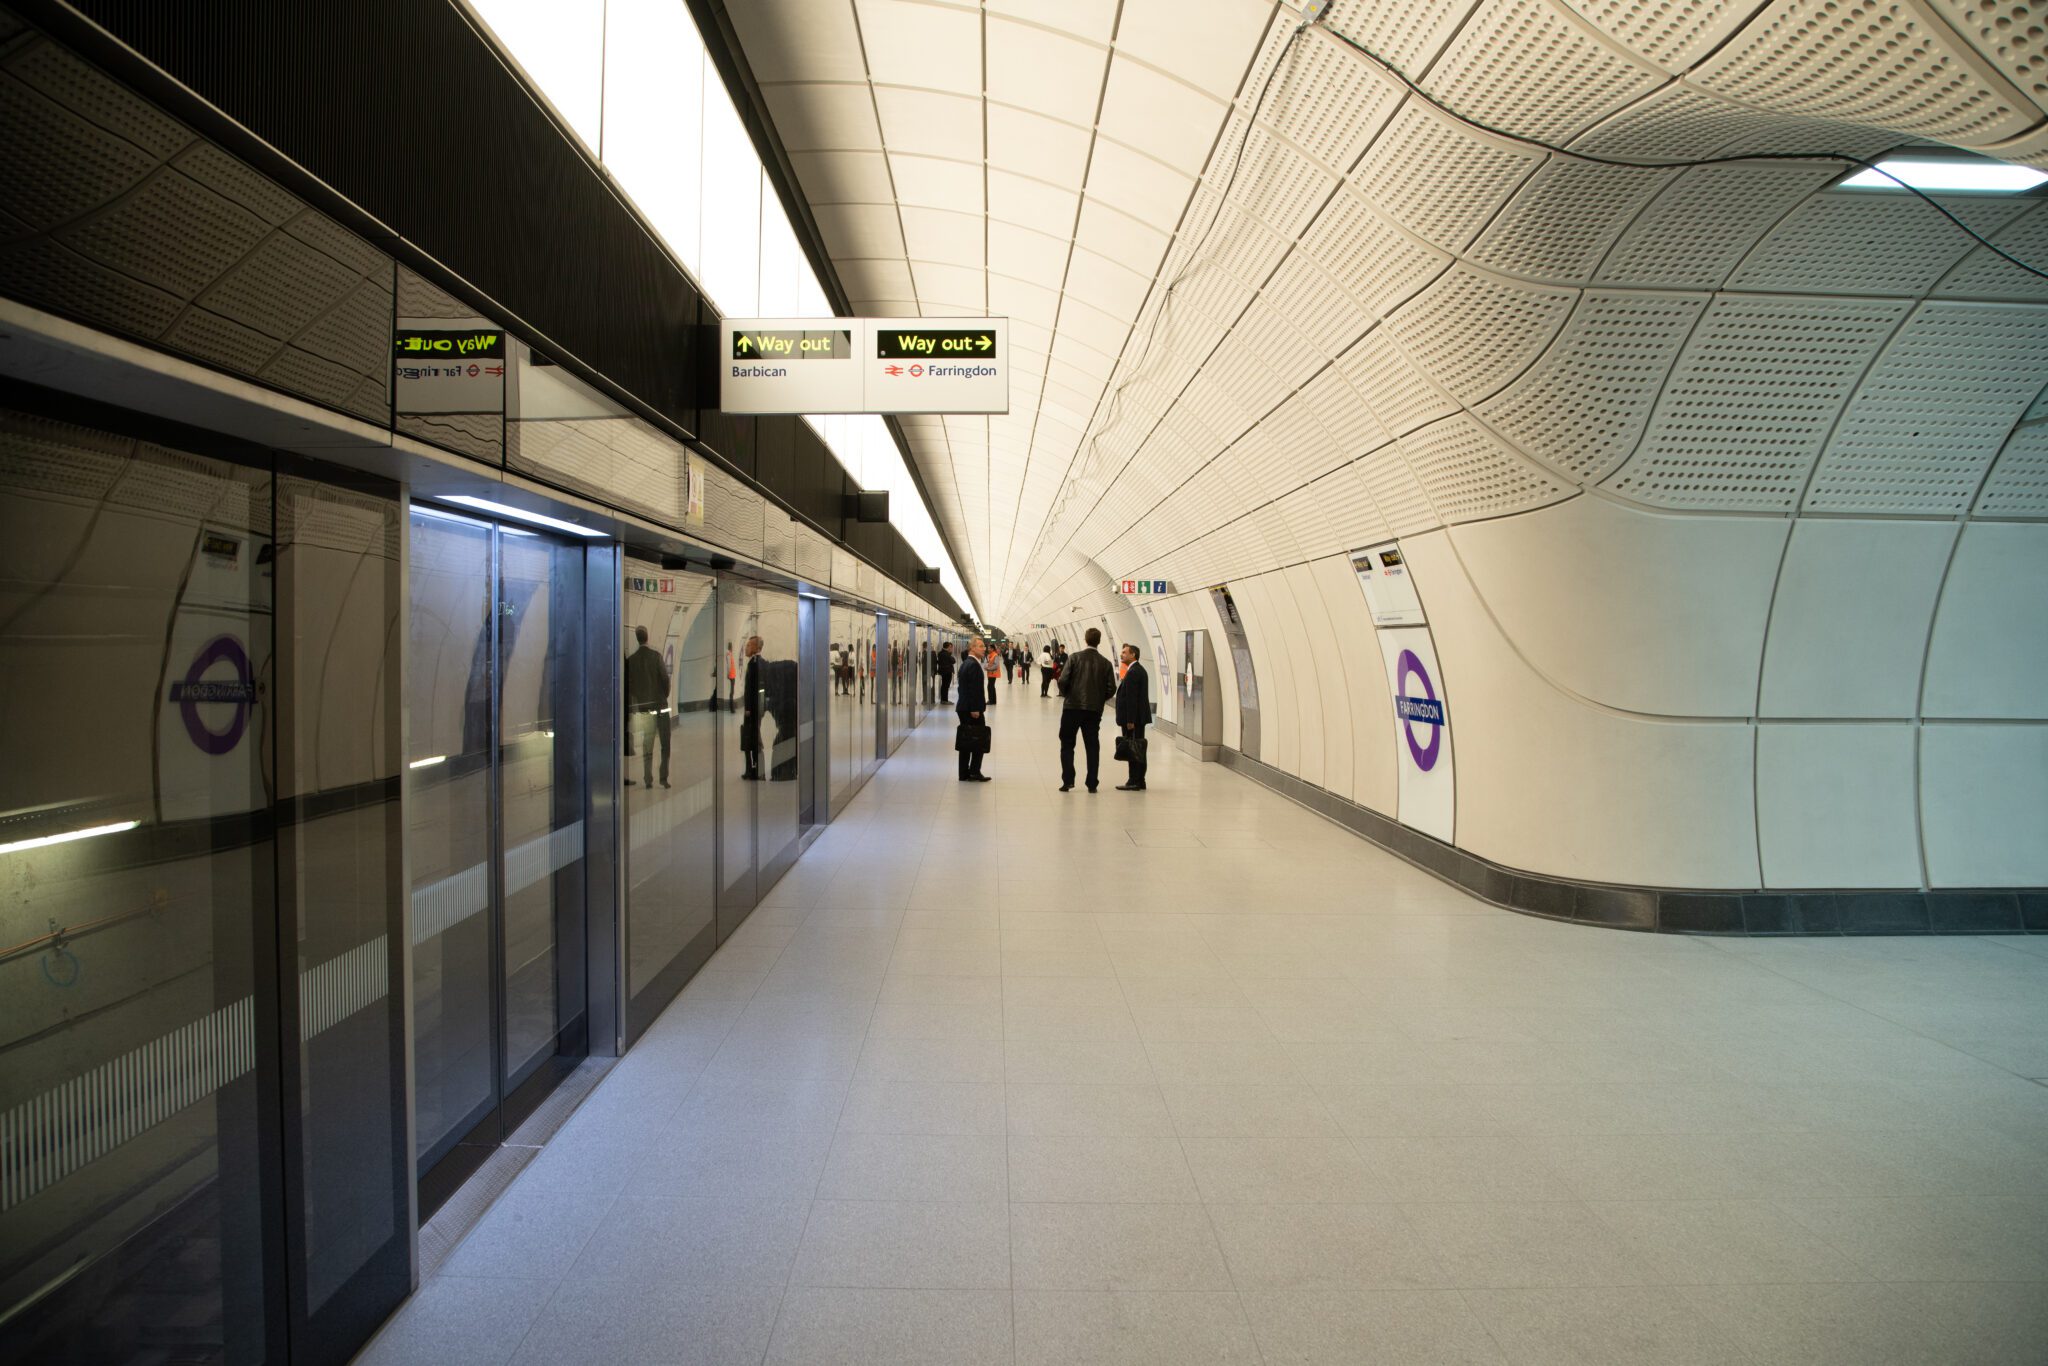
(1372, 319)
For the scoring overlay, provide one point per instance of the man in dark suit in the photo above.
(1086, 685)
(972, 706)
(1133, 714)
(942, 668)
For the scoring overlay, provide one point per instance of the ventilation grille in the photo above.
(1347, 423)
(1934, 411)
(1670, 32)
(2018, 485)
(2012, 33)
(1473, 334)
(1871, 62)
(1520, 64)
(1696, 231)
(1312, 302)
(1440, 182)
(1398, 396)
(1469, 473)
(1381, 265)
(1559, 225)
(1285, 185)
(1585, 403)
(1328, 102)
(1851, 243)
(1983, 274)
(1751, 400)
(1394, 490)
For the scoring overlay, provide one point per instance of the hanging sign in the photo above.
(447, 365)
(864, 365)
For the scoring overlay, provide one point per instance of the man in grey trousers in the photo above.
(1086, 684)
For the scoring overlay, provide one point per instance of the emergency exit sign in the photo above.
(864, 365)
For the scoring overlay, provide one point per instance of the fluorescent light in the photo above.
(429, 761)
(116, 828)
(1967, 175)
(520, 514)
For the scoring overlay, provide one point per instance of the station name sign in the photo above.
(864, 365)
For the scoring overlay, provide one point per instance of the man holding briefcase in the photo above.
(971, 706)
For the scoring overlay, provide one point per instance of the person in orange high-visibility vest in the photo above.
(732, 675)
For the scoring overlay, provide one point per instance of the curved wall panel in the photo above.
(1724, 487)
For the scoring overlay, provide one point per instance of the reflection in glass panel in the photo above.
(136, 600)
(448, 827)
(739, 746)
(774, 710)
(541, 785)
(671, 776)
(340, 864)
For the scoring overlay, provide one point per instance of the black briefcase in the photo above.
(971, 738)
(1129, 747)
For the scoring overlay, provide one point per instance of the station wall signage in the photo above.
(864, 365)
(1156, 588)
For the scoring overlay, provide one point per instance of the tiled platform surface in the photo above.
(1000, 1075)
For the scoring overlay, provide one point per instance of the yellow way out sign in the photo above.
(864, 365)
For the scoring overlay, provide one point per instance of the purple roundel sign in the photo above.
(1426, 711)
(195, 690)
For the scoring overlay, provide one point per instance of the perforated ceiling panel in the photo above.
(1933, 412)
(1239, 291)
(1751, 399)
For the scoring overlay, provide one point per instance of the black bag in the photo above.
(972, 738)
(1129, 747)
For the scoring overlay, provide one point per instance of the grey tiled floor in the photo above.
(1001, 1075)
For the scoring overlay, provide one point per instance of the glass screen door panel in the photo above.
(671, 784)
(451, 674)
(775, 796)
(541, 797)
(739, 751)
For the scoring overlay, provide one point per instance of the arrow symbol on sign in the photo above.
(743, 343)
(985, 341)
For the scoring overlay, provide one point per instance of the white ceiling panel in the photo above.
(930, 123)
(824, 117)
(791, 40)
(1160, 116)
(1036, 146)
(1025, 254)
(1128, 241)
(1043, 71)
(860, 229)
(1107, 285)
(1206, 42)
(844, 177)
(944, 236)
(937, 184)
(1031, 203)
(921, 44)
(1140, 186)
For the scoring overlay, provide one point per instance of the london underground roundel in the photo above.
(1417, 704)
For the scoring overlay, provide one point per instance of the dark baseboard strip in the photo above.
(1998, 910)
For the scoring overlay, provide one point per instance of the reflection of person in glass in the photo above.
(750, 718)
(647, 707)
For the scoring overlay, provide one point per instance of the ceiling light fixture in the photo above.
(1948, 175)
(520, 514)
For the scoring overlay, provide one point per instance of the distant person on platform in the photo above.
(1086, 685)
(750, 718)
(647, 707)
(992, 667)
(942, 669)
(972, 707)
(1045, 671)
(1133, 714)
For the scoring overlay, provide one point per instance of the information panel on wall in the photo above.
(1421, 713)
(864, 365)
